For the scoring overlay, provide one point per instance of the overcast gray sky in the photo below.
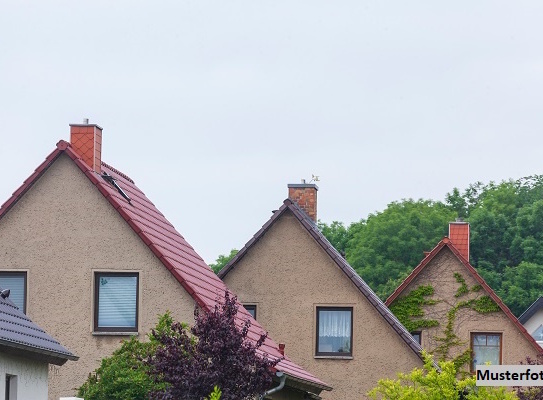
(213, 107)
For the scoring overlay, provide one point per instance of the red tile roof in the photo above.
(169, 246)
(446, 242)
(314, 231)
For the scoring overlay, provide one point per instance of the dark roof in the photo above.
(446, 243)
(20, 336)
(530, 311)
(169, 247)
(311, 227)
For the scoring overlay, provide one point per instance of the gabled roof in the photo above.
(20, 336)
(530, 311)
(313, 230)
(169, 247)
(446, 243)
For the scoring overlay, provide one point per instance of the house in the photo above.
(453, 312)
(95, 262)
(312, 300)
(26, 351)
(532, 320)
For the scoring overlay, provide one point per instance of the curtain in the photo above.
(335, 331)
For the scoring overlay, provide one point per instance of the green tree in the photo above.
(521, 286)
(430, 384)
(337, 234)
(222, 260)
(391, 243)
(124, 376)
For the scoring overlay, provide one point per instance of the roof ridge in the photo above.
(117, 172)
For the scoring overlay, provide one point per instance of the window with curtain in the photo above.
(16, 283)
(486, 348)
(334, 331)
(116, 302)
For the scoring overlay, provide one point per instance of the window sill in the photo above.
(115, 334)
(334, 357)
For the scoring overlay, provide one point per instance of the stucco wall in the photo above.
(287, 274)
(62, 231)
(439, 273)
(31, 376)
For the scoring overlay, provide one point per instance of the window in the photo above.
(486, 348)
(251, 308)
(11, 387)
(538, 333)
(417, 336)
(16, 283)
(116, 302)
(334, 331)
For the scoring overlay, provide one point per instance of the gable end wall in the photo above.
(61, 231)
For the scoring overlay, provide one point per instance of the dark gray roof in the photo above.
(530, 311)
(362, 286)
(20, 336)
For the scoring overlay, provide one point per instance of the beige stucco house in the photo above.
(312, 301)
(459, 316)
(91, 260)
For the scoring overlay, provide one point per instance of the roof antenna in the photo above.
(314, 178)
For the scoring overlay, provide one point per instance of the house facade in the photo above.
(315, 304)
(96, 262)
(532, 320)
(26, 351)
(457, 316)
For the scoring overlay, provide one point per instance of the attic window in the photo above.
(15, 281)
(538, 334)
(112, 181)
(116, 302)
(334, 331)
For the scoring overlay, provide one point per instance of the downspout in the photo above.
(282, 378)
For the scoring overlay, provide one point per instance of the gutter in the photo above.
(282, 378)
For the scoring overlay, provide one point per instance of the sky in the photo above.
(214, 107)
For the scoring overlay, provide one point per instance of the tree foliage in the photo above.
(214, 352)
(222, 260)
(123, 375)
(506, 238)
(384, 248)
(430, 384)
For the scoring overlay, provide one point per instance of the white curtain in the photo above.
(335, 323)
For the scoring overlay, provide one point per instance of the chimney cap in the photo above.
(302, 185)
(86, 125)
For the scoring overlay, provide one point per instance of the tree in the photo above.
(124, 376)
(214, 352)
(222, 260)
(531, 392)
(391, 242)
(430, 384)
(337, 234)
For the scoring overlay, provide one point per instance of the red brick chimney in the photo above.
(86, 140)
(459, 236)
(305, 195)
